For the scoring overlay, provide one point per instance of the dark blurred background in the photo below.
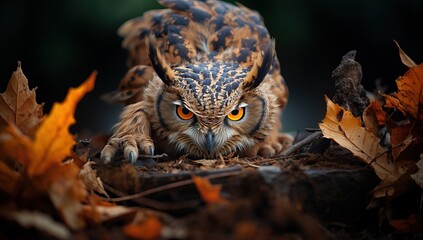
(61, 42)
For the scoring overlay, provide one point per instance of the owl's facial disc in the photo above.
(207, 133)
(203, 128)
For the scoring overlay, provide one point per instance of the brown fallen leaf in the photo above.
(90, 179)
(373, 117)
(18, 105)
(396, 183)
(400, 136)
(405, 59)
(67, 192)
(209, 193)
(41, 158)
(345, 129)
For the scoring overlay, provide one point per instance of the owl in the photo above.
(204, 81)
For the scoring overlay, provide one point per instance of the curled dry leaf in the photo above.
(209, 193)
(90, 179)
(18, 105)
(401, 137)
(373, 117)
(405, 59)
(66, 193)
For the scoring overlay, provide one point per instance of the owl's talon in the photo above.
(151, 148)
(131, 154)
(131, 158)
(107, 153)
(286, 140)
(266, 150)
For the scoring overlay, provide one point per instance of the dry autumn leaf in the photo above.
(409, 97)
(373, 117)
(345, 129)
(148, 228)
(41, 158)
(53, 142)
(111, 213)
(18, 105)
(405, 59)
(401, 136)
(90, 179)
(209, 193)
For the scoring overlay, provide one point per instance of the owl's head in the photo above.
(208, 108)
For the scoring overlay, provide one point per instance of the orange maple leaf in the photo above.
(18, 105)
(150, 228)
(409, 98)
(209, 193)
(53, 142)
(42, 158)
(340, 125)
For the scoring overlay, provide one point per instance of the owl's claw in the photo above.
(131, 158)
(151, 148)
(108, 152)
(130, 144)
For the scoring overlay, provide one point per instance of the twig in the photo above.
(154, 156)
(166, 206)
(170, 186)
(301, 143)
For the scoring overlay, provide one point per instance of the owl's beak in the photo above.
(209, 141)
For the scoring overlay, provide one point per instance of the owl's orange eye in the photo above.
(237, 114)
(184, 113)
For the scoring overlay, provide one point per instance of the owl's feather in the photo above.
(192, 31)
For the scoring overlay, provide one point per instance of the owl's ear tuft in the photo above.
(158, 62)
(261, 66)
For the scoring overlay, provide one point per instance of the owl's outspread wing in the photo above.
(208, 58)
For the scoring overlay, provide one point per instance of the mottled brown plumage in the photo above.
(205, 80)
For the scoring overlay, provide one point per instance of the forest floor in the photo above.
(359, 176)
